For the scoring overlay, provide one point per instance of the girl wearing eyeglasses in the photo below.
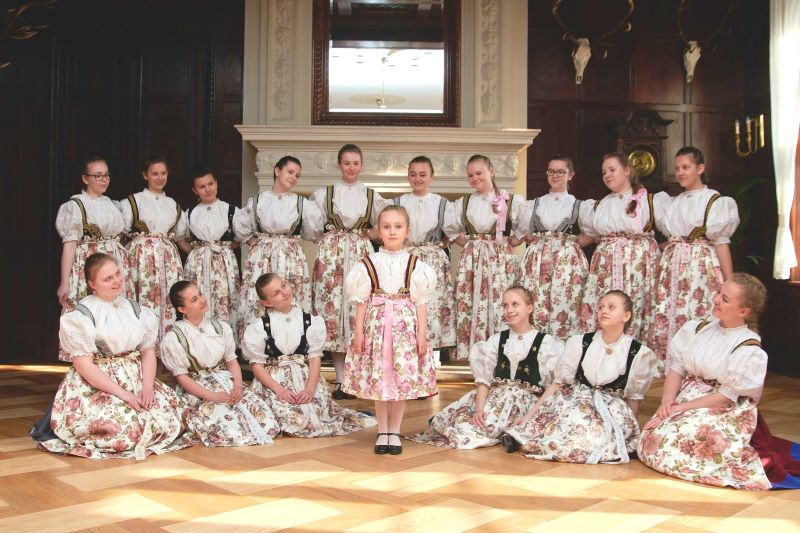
(89, 222)
(153, 221)
(554, 268)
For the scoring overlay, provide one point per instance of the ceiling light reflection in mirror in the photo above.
(386, 80)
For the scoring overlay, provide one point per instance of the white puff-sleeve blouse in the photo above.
(208, 222)
(483, 355)
(553, 209)
(423, 211)
(349, 202)
(609, 214)
(158, 211)
(712, 354)
(101, 211)
(601, 368)
(276, 214)
(686, 212)
(391, 270)
(115, 329)
(207, 347)
(480, 213)
(287, 331)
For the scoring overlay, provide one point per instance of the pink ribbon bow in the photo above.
(637, 214)
(501, 203)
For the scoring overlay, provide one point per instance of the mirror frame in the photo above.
(452, 77)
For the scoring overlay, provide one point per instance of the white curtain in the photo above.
(784, 78)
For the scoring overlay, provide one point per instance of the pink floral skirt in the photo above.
(213, 267)
(709, 446)
(441, 305)
(689, 277)
(390, 368)
(554, 269)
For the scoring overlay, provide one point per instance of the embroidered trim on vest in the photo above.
(361, 223)
(568, 225)
(700, 232)
(652, 222)
(194, 364)
(435, 234)
(91, 231)
(138, 225)
(137, 310)
(226, 237)
(271, 349)
(469, 229)
(618, 385)
(373, 274)
(531, 361)
(701, 325)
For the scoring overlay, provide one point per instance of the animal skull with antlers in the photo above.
(691, 53)
(583, 48)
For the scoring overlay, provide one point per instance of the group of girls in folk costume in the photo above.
(350, 211)
(588, 413)
(510, 368)
(390, 359)
(200, 352)
(272, 223)
(284, 347)
(482, 223)
(110, 403)
(427, 241)
(209, 243)
(89, 222)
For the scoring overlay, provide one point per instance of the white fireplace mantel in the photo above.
(387, 152)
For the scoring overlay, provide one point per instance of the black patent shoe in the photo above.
(339, 394)
(392, 449)
(382, 449)
(509, 443)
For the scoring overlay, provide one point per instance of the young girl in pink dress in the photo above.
(699, 223)
(390, 360)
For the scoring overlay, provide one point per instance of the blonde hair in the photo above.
(753, 296)
(399, 208)
(526, 296)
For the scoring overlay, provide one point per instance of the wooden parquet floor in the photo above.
(338, 484)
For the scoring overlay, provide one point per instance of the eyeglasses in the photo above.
(560, 172)
(99, 177)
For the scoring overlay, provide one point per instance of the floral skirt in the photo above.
(554, 269)
(452, 428)
(709, 446)
(628, 263)
(689, 276)
(279, 254)
(322, 417)
(155, 266)
(213, 267)
(485, 270)
(579, 424)
(78, 289)
(441, 305)
(248, 422)
(95, 424)
(339, 252)
(390, 368)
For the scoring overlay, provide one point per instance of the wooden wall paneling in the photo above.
(713, 133)
(657, 70)
(550, 69)
(559, 138)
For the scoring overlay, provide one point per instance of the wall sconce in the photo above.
(755, 135)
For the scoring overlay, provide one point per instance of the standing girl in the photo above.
(588, 414)
(284, 348)
(390, 360)
(110, 404)
(626, 258)
(211, 263)
(702, 430)
(350, 212)
(554, 267)
(510, 369)
(482, 223)
(699, 223)
(200, 352)
(427, 241)
(273, 222)
(89, 222)
(153, 219)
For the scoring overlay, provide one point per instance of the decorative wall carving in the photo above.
(489, 63)
(282, 59)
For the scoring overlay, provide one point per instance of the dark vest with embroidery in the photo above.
(375, 281)
(569, 225)
(227, 236)
(527, 369)
(139, 225)
(294, 229)
(272, 351)
(90, 231)
(617, 386)
(335, 221)
(194, 365)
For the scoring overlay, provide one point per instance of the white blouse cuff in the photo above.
(731, 394)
